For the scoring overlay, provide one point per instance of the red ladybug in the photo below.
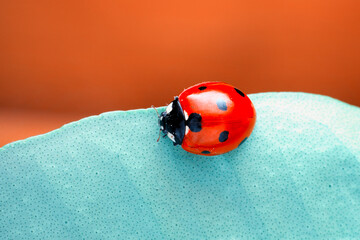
(209, 118)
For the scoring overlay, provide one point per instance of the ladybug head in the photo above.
(172, 122)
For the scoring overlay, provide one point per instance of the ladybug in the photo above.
(209, 118)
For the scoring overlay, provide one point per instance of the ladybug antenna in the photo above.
(158, 117)
(156, 111)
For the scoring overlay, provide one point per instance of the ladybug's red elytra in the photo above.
(209, 118)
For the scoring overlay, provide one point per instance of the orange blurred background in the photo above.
(64, 60)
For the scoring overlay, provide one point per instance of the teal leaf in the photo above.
(105, 177)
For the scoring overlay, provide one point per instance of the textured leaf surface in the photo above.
(106, 177)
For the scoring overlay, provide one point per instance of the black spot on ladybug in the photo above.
(205, 152)
(221, 104)
(239, 92)
(223, 136)
(194, 122)
(242, 141)
(202, 88)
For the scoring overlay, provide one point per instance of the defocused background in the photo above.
(64, 60)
